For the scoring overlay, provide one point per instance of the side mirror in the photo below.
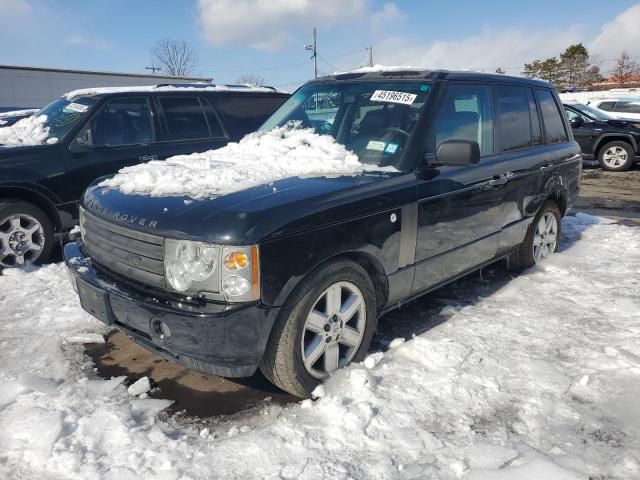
(577, 122)
(458, 153)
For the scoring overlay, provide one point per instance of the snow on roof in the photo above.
(385, 68)
(259, 158)
(28, 131)
(193, 87)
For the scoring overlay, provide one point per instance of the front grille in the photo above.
(135, 255)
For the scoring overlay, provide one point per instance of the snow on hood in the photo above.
(28, 131)
(28, 111)
(259, 158)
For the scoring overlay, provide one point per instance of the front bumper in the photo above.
(227, 340)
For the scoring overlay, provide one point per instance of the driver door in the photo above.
(121, 133)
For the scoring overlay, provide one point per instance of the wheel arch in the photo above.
(40, 200)
(367, 261)
(613, 137)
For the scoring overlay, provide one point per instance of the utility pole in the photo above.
(370, 56)
(153, 69)
(313, 48)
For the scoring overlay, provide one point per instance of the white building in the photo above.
(34, 87)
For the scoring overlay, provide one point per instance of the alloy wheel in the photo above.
(21, 240)
(546, 237)
(333, 329)
(615, 157)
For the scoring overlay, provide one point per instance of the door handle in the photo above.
(147, 158)
(547, 168)
(494, 182)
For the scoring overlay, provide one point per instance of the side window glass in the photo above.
(513, 117)
(122, 121)
(607, 106)
(465, 114)
(244, 113)
(551, 117)
(185, 118)
(536, 128)
(628, 107)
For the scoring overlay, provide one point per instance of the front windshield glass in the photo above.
(592, 113)
(63, 114)
(374, 120)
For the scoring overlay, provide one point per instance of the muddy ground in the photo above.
(614, 195)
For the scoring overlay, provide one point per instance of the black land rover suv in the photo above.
(95, 132)
(291, 276)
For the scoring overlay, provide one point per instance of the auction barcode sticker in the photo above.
(393, 97)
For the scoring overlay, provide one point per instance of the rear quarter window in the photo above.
(245, 113)
(551, 117)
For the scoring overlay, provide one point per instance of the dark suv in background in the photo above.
(96, 132)
(613, 142)
(292, 275)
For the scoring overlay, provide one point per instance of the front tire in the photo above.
(26, 234)
(542, 239)
(325, 324)
(616, 156)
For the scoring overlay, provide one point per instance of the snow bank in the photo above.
(259, 158)
(496, 392)
(28, 131)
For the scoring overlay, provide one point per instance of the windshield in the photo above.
(374, 120)
(62, 115)
(591, 112)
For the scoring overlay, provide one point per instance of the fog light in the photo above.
(162, 331)
(235, 286)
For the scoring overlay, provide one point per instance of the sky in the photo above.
(267, 37)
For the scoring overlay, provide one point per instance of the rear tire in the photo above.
(616, 156)
(314, 331)
(542, 239)
(26, 234)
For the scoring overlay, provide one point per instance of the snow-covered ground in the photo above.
(534, 378)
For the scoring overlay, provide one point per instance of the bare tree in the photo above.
(626, 68)
(251, 79)
(177, 58)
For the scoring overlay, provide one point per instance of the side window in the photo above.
(465, 114)
(185, 118)
(607, 106)
(536, 128)
(122, 121)
(512, 105)
(244, 113)
(628, 107)
(551, 117)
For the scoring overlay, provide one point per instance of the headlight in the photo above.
(197, 267)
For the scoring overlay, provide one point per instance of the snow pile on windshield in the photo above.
(259, 158)
(28, 131)
(205, 87)
(531, 378)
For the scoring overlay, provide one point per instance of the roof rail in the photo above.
(185, 85)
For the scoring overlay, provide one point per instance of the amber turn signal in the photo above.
(236, 260)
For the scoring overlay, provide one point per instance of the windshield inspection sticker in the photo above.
(391, 96)
(375, 145)
(76, 107)
(392, 148)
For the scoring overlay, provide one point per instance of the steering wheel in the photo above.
(392, 129)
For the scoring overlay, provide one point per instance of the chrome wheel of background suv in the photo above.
(333, 329)
(22, 240)
(615, 157)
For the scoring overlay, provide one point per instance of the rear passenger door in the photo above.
(244, 113)
(188, 124)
